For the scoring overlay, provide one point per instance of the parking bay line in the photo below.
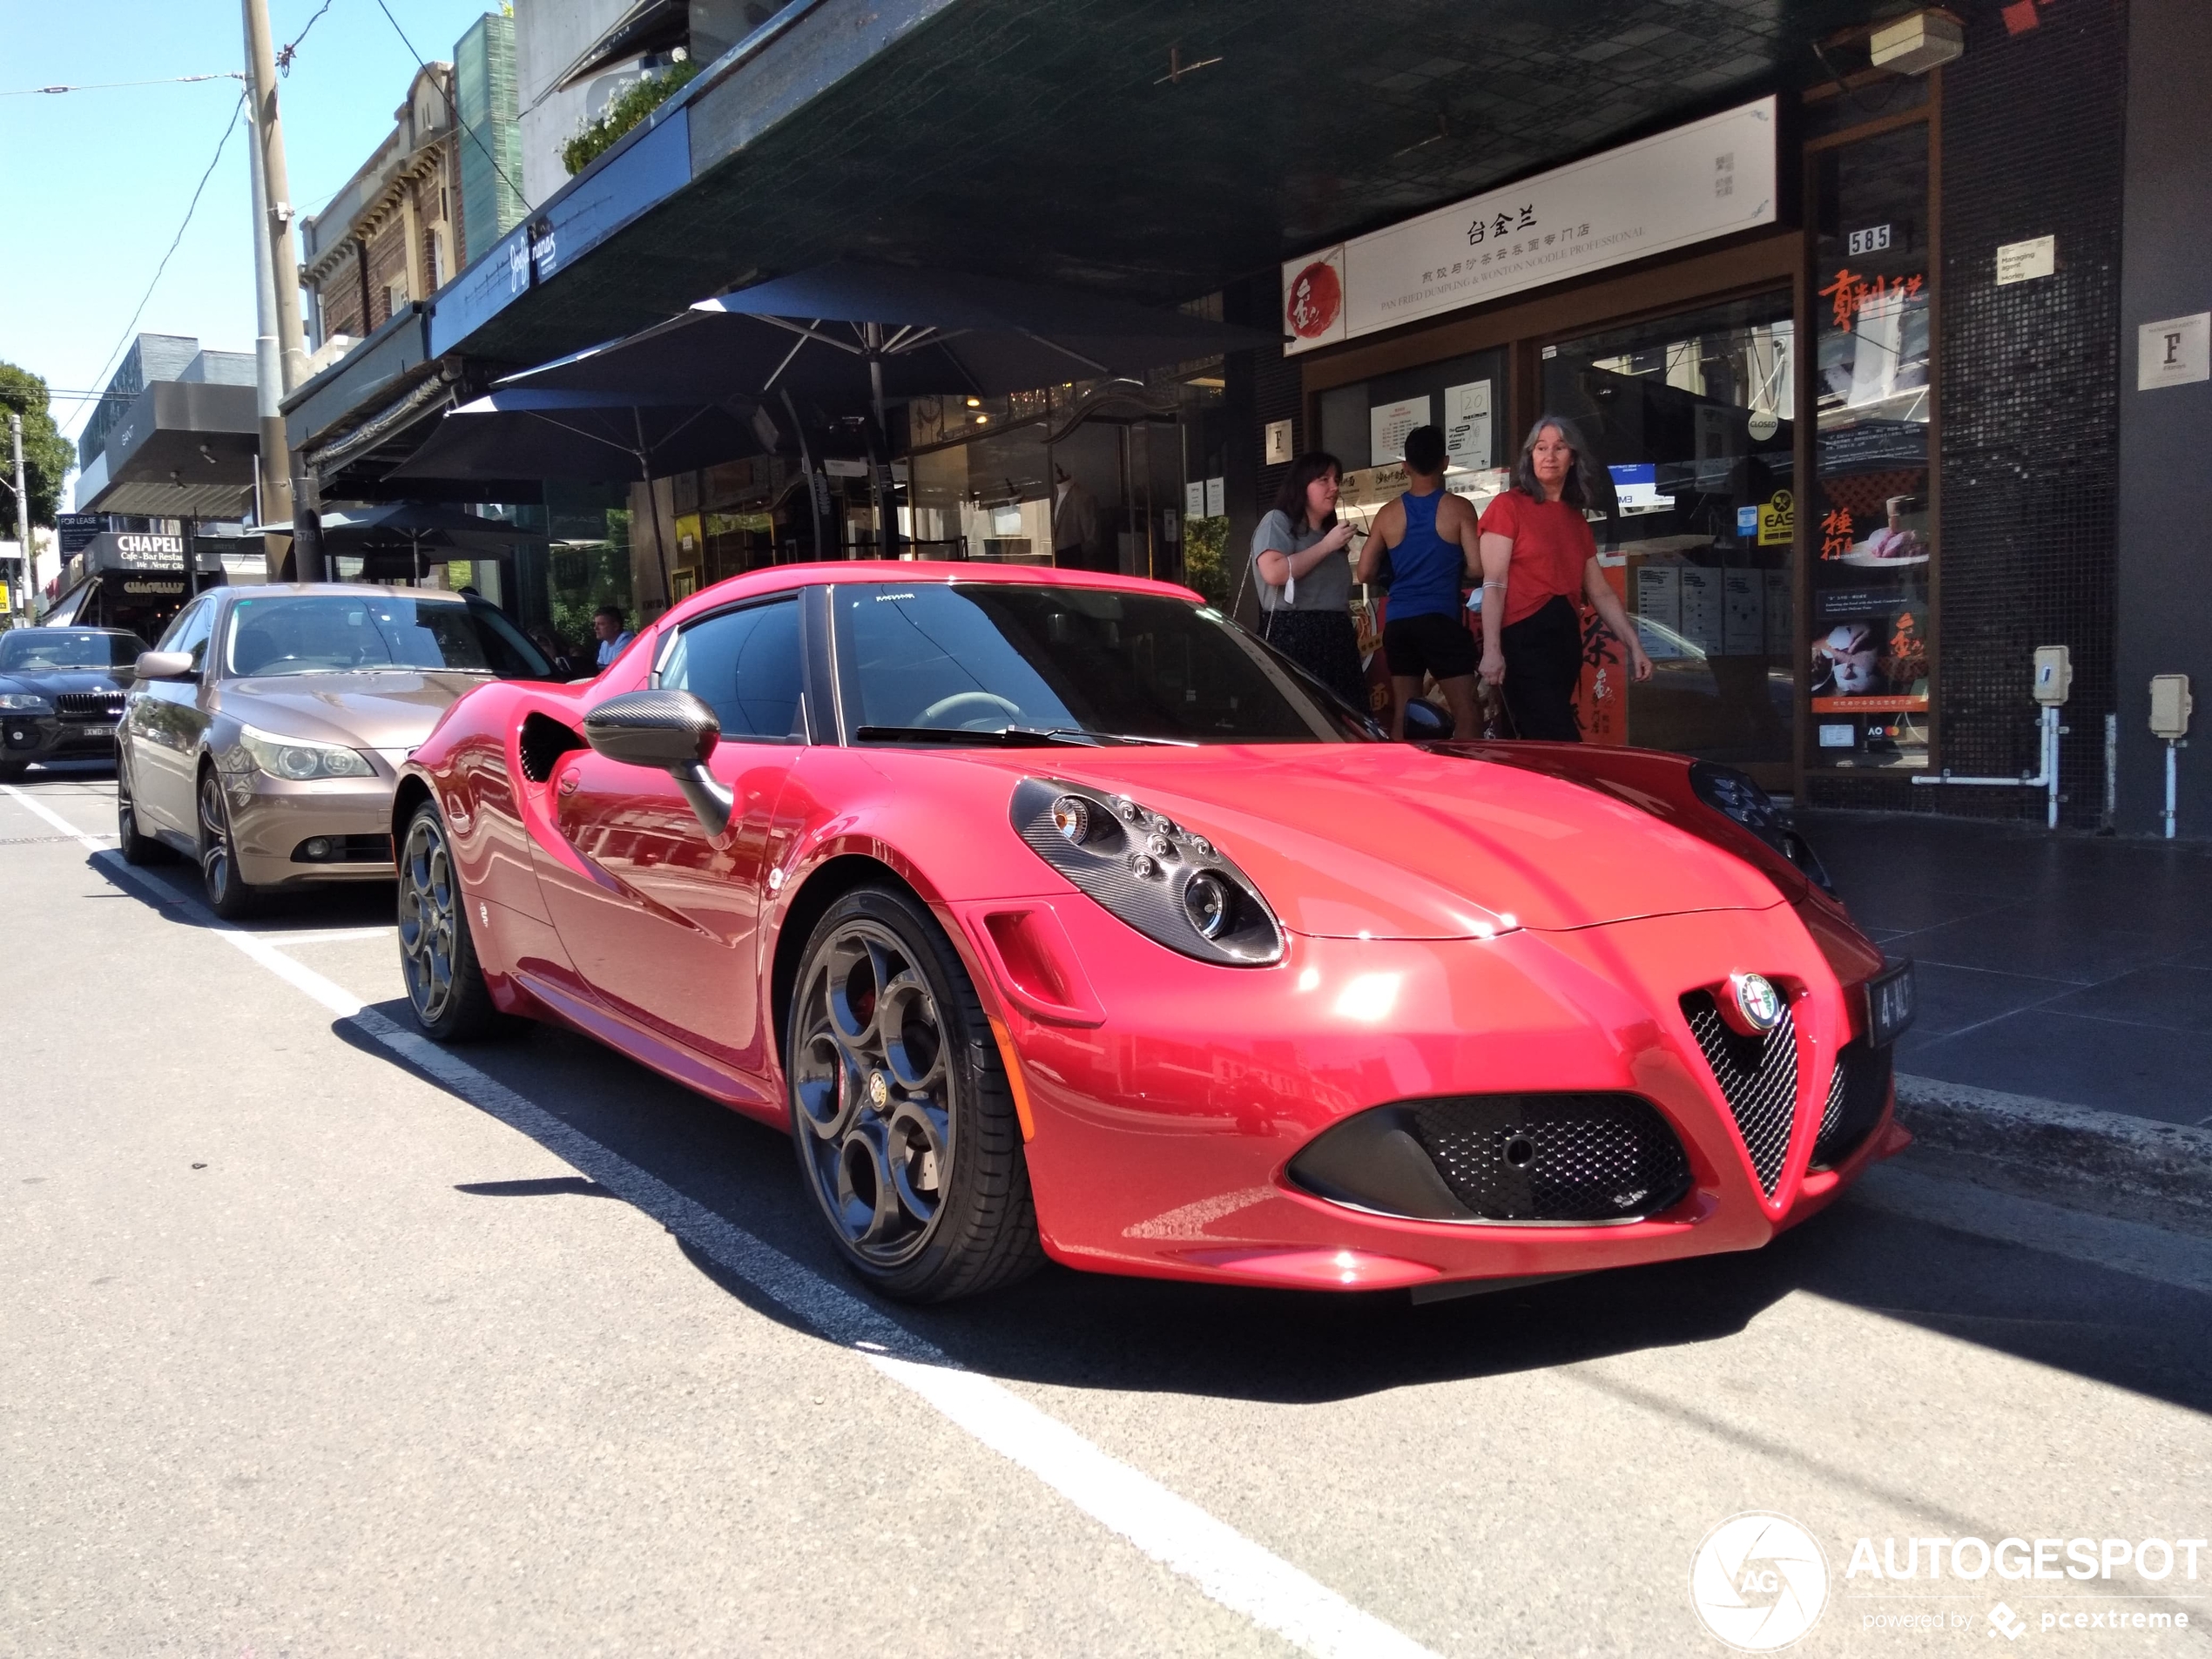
(1224, 1564)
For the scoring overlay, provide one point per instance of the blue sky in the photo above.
(97, 181)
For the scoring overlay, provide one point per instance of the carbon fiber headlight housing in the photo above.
(1733, 795)
(1172, 886)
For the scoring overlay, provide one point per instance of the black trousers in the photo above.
(1543, 653)
(1324, 644)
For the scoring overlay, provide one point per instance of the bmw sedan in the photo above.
(61, 693)
(265, 735)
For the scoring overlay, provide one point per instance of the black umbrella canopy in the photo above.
(825, 334)
(598, 437)
(402, 526)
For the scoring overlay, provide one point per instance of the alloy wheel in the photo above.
(429, 920)
(874, 1084)
(218, 866)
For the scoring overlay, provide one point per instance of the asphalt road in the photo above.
(313, 1340)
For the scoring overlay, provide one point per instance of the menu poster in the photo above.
(1742, 613)
(1700, 609)
(1387, 425)
(1466, 424)
(1659, 595)
(1869, 653)
(1777, 612)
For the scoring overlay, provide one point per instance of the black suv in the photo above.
(61, 693)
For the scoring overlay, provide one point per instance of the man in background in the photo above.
(1074, 523)
(607, 627)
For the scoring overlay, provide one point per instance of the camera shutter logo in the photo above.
(1759, 1582)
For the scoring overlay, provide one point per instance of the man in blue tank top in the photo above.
(1430, 537)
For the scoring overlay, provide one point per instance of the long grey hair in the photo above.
(1584, 486)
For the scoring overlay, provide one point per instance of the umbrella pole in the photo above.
(660, 550)
(887, 507)
(806, 463)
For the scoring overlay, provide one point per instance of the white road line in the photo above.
(1224, 1564)
(328, 935)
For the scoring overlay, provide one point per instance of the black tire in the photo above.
(228, 894)
(445, 984)
(136, 849)
(11, 770)
(929, 1107)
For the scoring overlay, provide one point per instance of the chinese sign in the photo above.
(1706, 179)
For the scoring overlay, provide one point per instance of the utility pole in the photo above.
(27, 606)
(274, 234)
(275, 497)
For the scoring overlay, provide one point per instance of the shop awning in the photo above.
(187, 449)
(587, 436)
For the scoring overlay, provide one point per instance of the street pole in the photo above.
(273, 499)
(25, 604)
(274, 233)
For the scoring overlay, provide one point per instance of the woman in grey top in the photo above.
(1306, 578)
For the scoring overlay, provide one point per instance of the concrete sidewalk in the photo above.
(2058, 966)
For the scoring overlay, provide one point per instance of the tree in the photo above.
(47, 456)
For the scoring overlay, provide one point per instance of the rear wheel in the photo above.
(900, 1108)
(445, 984)
(227, 892)
(11, 770)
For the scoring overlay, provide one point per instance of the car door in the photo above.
(164, 724)
(659, 917)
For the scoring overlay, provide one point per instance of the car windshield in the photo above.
(352, 633)
(993, 659)
(22, 648)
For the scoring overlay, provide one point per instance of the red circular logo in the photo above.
(1316, 297)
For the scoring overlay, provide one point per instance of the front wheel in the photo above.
(227, 892)
(445, 983)
(136, 849)
(900, 1108)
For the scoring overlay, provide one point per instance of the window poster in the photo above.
(1742, 613)
(1700, 609)
(1387, 425)
(1865, 524)
(1659, 596)
(1466, 424)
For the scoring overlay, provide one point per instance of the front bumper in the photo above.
(1169, 1097)
(274, 821)
(27, 738)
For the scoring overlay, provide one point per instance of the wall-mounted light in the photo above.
(1916, 44)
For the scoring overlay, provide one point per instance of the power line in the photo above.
(452, 108)
(284, 53)
(130, 327)
(108, 86)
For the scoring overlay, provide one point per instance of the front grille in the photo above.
(89, 705)
(1552, 1157)
(1758, 1078)
(1857, 1091)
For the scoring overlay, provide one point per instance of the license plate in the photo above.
(1890, 1003)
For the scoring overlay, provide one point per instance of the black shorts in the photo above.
(1430, 644)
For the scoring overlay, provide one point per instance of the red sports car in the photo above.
(1053, 915)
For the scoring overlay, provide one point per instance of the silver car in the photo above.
(264, 734)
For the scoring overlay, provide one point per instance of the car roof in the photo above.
(71, 628)
(356, 589)
(783, 578)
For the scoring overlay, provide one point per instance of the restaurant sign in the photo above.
(1708, 178)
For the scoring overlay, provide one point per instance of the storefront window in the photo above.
(1691, 419)
(1365, 425)
(1871, 540)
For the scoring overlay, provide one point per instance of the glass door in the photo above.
(1689, 418)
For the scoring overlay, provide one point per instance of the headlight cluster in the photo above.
(298, 761)
(1172, 886)
(1733, 795)
(24, 702)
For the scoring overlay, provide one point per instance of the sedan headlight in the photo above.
(1733, 795)
(298, 761)
(24, 702)
(1172, 886)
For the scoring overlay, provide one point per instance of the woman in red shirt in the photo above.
(1538, 558)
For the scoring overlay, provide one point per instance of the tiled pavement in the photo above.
(2067, 966)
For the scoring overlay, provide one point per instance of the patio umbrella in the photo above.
(613, 437)
(385, 532)
(846, 336)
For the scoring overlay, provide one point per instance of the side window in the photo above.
(745, 666)
(189, 630)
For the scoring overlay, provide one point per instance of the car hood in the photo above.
(47, 682)
(394, 708)
(1387, 840)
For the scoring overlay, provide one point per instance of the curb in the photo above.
(2102, 1162)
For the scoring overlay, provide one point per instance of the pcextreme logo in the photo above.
(1759, 1581)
